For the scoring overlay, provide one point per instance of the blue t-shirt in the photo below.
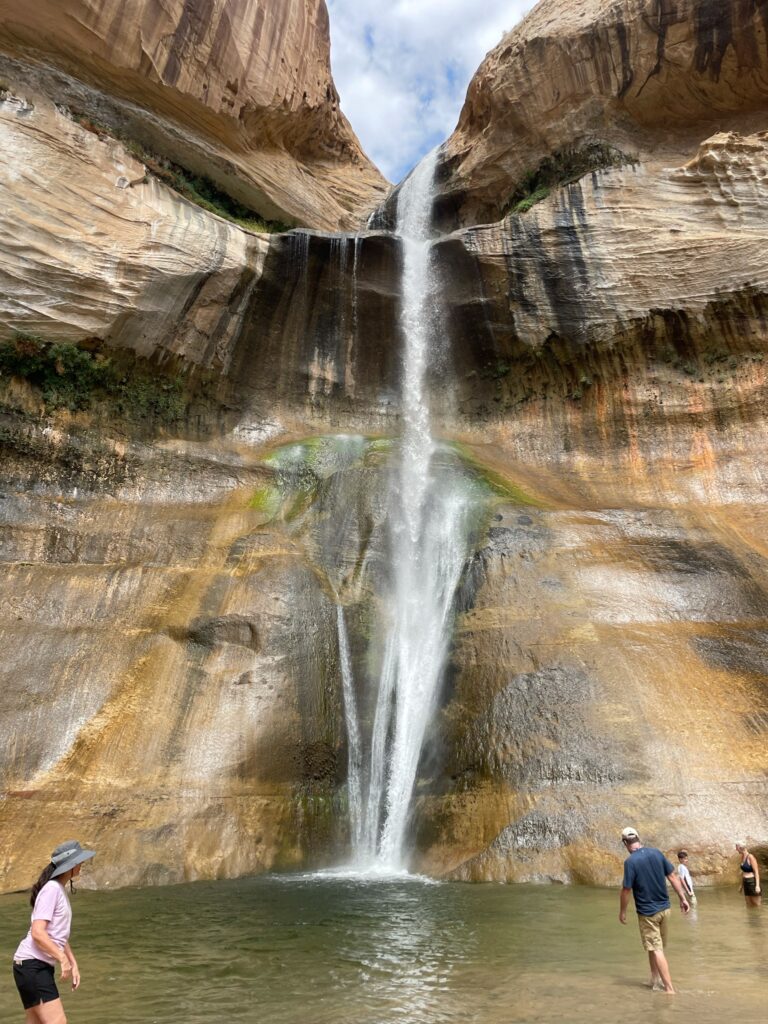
(645, 873)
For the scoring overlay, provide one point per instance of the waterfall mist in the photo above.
(429, 525)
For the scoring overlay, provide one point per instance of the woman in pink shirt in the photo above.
(47, 941)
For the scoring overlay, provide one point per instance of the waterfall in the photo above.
(428, 528)
(349, 361)
(354, 747)
(355, 260)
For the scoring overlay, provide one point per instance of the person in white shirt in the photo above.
(685, 876)
(47, 941)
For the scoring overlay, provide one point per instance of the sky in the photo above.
(402, 68)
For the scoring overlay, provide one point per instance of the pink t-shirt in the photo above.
(53, 906)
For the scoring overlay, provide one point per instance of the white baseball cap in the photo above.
(629, 833)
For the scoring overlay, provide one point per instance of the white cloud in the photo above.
(402, 68)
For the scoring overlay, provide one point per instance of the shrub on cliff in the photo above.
(562, 168)
(196, 188)
(73, 378)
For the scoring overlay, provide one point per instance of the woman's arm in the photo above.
(756, 869)
(73, 962)
(46, 943)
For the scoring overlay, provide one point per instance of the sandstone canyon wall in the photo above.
(172, 685)
(237, 90)
(650, 77)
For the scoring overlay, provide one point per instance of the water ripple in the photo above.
(340, 950)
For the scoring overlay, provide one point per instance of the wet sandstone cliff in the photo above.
(237, 90)
(649, 77)
(172, 687)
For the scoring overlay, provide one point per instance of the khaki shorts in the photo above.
(653, 930)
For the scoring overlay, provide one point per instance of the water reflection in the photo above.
(332, 950)
(410, 955)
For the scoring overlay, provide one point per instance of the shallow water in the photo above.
(339, 951)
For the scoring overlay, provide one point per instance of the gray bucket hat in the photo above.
(68, 855)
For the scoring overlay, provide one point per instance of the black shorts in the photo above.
(750, 886)
(34, 980)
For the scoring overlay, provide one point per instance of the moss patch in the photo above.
(537, 196)
(302, 463)
(500, 486)
(563, 168)
(266, 499)
(300, 503)
(299, 470)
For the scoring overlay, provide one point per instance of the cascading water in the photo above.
(354, 747)
(428, 530)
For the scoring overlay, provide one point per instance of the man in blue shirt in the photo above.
(646, 872)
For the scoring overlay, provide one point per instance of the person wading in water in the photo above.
(750, 875)
(646, 872)
(685, 877)
(47, 941)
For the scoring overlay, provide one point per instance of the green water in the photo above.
(330, 951)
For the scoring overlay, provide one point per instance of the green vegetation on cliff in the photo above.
(76, 379)
(300, 470)
(563, 168)
(195, 187)
(499, 485)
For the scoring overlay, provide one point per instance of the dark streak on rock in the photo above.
(230, 314)
(194, 293)
(565, 275)
(540, 731)
(666, 15)
(627, 74)
(714, 34)
(719, 26)
(743, 652)
(196, 16)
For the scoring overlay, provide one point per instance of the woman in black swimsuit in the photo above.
(750, 876)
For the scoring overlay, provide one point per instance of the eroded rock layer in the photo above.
(92, 247)
(646, 76)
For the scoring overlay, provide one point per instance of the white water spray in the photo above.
(429, 525)
(354, 745)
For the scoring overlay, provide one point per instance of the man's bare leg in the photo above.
(655, 976)
(660, 969)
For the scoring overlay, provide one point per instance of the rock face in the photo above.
(171, 591)
(275, 316)
(574, 281)
(647, 76)
(238, 90)
(178, 641)
(90, 246)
